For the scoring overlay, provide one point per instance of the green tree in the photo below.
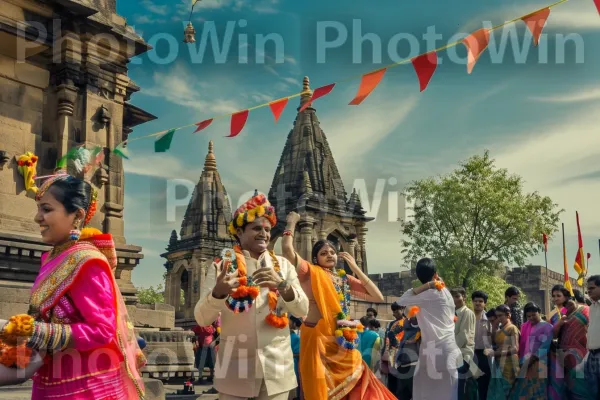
(474, 220)
(151, 295)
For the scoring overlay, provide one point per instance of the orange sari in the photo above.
(327, 370)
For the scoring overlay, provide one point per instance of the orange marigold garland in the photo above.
(243, 297)
(18, 356)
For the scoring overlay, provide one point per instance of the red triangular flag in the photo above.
(202, 125)
(535, 22)
(368, 83)
(317, 93)
(425, 65)
(476, 43)
(277, 107)
(238, 120)
(545, 240)
(597, 3)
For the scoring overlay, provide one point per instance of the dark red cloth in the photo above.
(205, 334)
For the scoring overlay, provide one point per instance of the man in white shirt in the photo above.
(464, 332)
(255, 358)
(436, 376)
(592, 366)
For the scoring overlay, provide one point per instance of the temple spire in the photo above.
(306, 92)
(210, 163)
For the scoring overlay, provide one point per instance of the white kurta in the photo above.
(436, 376)
(250, 350)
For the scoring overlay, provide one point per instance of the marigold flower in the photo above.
(439, 285)
(23, 356)
(272, 297)
(253, 291)
(339, 333)
(414, 310)
(19, 325)
(349, 334)
(243, 281)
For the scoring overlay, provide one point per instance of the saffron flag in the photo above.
(164, 143)
(368, 83)
(203, 125)
(318, 92)
(476, 43)
(238, 120)
(566, 266)
(277, 107)
(425, 65)
(535, 22)
(545, 239)
(579, 258)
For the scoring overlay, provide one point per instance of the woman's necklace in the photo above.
(56, 250)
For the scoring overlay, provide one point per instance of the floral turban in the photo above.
(258, 206)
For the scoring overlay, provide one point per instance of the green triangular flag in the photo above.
(164, 143)
(121, 151)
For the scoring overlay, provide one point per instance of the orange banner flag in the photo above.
(566, 266)
(277, 107)
(238, 120)
(476, 43)
(535, 22)
(318, 93)
(425, 66)
(368, 83)
(203, 125)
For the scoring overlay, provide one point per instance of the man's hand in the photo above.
(267, 277)
(226, 283)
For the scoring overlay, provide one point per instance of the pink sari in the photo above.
(103, 359)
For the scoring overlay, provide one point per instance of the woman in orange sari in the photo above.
(331, 367)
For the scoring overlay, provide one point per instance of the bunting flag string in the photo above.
(424, 64)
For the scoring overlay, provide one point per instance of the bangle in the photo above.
(288, 232)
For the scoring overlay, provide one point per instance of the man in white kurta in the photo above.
(254, 359)
(436, 376)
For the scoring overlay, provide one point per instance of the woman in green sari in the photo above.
(506, 355)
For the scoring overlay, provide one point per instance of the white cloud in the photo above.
(352, 133)
(161, 165)
(154, 8)
(179, 86)
(571, 15)
(583, 94)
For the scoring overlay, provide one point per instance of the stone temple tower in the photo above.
(307, 181)
(202, 237)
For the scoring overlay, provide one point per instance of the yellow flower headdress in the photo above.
(258, 206)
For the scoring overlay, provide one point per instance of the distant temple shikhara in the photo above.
(306, 181)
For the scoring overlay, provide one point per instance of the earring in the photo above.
(75, 232)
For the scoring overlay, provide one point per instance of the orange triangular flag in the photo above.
(202, 125)
(277, 107)
(425, 65)
(368, 83)
(476, 43)
(238, 120)
(535, 22)
(318, 92)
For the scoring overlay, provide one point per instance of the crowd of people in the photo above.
(279, 327)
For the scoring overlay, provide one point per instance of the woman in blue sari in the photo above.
(532, 382)
(370, 343)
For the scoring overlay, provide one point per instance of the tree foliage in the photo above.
(151, 295)
(474, 220)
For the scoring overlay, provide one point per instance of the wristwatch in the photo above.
(282, 285)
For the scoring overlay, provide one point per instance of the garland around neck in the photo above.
(242, 299)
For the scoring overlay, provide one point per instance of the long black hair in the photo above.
(319, 245)
(73, 193)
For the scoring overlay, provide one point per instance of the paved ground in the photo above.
(24, 392)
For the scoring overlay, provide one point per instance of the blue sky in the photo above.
(538, 118)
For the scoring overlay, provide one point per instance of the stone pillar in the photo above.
(66, 95)
(306, 229)
(361, 239)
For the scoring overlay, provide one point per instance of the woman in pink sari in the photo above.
(77, 316)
